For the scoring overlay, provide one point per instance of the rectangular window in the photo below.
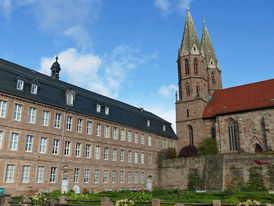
(55, 146)
(113, 177)
(86, 175)
(79, 125)
(32, 115)
(98, 108)
(96, 176)
(89, 127)
(53, 171)
(20, 84)
(166, 143)
(28, 146)
(148, 123)
(149, 140)
(106, 152)
(115, 133)
(149, 158)
(123, 136)
(1, 138)
(136, 177)
(142, 139)
(17, 112)
(9, 173)
(136, 157)
(157, 142)
(164, 128)
(14, 141)
(67, 148)
(129, 177)
(3, 107)
(106, 111)
(57, 122)
(114, 154)
(76, 175)
(122, 155)
(78, 147)
(25, 174)
(105, 176)
(40, 174)
(69, 123)
(45, 119)
(33, 89)
(107, 131)
(97, 152)
(129, 156)
(98, 130)
(122, 177)
(129, 136)
(171, 143)
(88, 151)
(142, 178)
(156, 178)
(43, 145)
(142, 158)
(136, 138)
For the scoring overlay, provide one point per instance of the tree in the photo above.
(208, 147)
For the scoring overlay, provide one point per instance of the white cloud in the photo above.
(170, 6)
(168, 90)
(79, 35)
(6, 7)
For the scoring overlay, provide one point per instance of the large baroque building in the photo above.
(241, 118)
(55, 135)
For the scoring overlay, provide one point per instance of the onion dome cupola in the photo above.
(55, 69)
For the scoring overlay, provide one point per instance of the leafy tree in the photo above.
(188, 151)
(208, 147)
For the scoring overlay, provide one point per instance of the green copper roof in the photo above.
(190, 37)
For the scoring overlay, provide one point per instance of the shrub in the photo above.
(188, 151)
(256, 180)
(164, 154)
(208, 147)
(194, 180)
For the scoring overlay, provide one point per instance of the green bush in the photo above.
(194, 180)
(164, 154)
(208, 147)
(256, 180)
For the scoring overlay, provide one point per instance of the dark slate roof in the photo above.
(52, 92)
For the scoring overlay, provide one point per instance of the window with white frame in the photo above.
(53, 171)
(43, 145)
(98, 108)
(96, 176)
(106, 153)
(76, 175)
(122, 155)
(157, 142)
(123, 135)
(142, 158)
(164, 128)
(129, 136)
(142, 177)
(142, 139)
(1, 138)
(14, 141)
(9, 173)
(32, 115)
(55, 146)
(78, 147)
(136, 157)
(113, 176)
(148, 123)
(88, 151)
(129, 156)
(40, 174)
(28, 146)
(129, 177)
(106, 110)
(163, 142)
(25, 174)
(86, 175)
(79, 125)
(136, 177)
(34, 89)
(98, 130)
(69, 123)
(136, 138)
(122, 177)
(45, 118)
(89, 127)
(171, 144)
(70, 97)
(3, 107)
(166, 143)
(67, 148)
(107, 135)
(20, 84)
(149, 158)
(149, 140)
(115, 133)
(105, 176)
(114, 154)
(97, 152)
(17, 112)
(57, 122)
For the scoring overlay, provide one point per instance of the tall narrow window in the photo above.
(43, 145)
(97, 152)
(113, 178)
(187, 112)
(67, 148)
(186, 67)
(115, 133)
(142, 139)
(106, 152)
(197, 90)
(98, 130)
(53, 171)
(136, 157)
(123, 136)
(129, 156)
(9, 173)
(88, 151)
(14, 141)
(3, 106)
(34, 88)
(233, 135)
(89, 127)
(187, 89)
(69, 123)
(17, 112)
(86, 175)
(190, 135)
(105, 176)
(212, 78)
(40, 174)
(1, 138)
(32, 115)
(122, 177)
(135, 177)
(142, 158)
(78, 148)
(25, 174)
(96, 176)
(107, 131)
(114, 154)
(79, 125)
(149, 158)
(76, 175)
(129, 177)
(129, 136)
(136, 138)
(45, 119)
(195, 66)
(20, 84)
(122, 155)
(55, 146)
(57, 120)
(142, 177)
(28, 146)
(149, 140)
(157, 142)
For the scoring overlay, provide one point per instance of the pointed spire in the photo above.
(190, 43)
(208, 50)
(55, 68)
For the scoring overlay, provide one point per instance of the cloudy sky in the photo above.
(127, 49)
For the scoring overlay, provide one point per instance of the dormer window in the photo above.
(20, 84)
(106, 110)
(148, 123)
(164, 128)
(70, 95)
(34, 88)
(98, 108)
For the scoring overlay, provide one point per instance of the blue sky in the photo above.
(127, 49)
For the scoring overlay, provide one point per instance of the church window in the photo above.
(195, 66)
(187, 90)
(233, 135)
(190, 133)
(258, 148)
(213, 133)
(187, 113)
(212, 78)
(186, 67)
(197, 90)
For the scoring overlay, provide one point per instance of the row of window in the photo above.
(20, 86)
(40, 173)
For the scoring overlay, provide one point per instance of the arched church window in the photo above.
(233, 135)
(197, 90)
(213, 133)
(213, 78)
(186, 67)
(187, 89)
(258, 148)
(190, 133)
(195, 66)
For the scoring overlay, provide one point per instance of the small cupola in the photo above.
(55, 69)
